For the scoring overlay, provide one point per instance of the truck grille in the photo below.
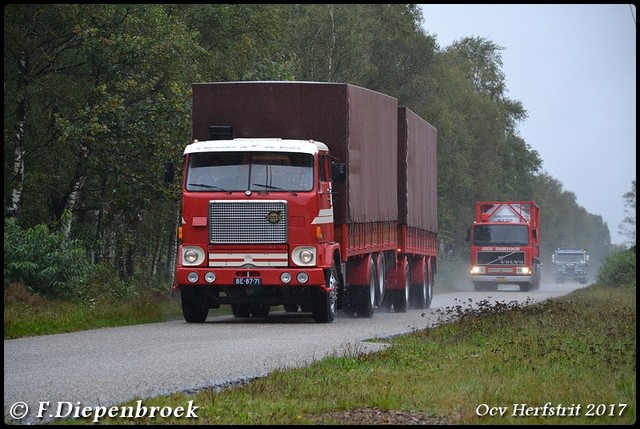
(500, 258)
(237, 222)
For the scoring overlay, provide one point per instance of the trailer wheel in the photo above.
(240, 310)
(382, 273)
(194, 307)
(432, 282)
(326, 303)
(401, 301)
(424, 290)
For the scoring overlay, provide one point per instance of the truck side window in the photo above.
(323, 168)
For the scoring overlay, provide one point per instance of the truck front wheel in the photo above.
(194, 305)
(326, 303)
(366, 300)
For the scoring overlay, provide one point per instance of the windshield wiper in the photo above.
(274, 187)
(202, 185)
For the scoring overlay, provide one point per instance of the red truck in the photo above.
(505, 245)
(312, 196)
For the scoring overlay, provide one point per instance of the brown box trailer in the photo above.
(358, 125)
(417, 171)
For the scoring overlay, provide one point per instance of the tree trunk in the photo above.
(20, 139)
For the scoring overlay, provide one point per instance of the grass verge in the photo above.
(569, 360)
(27, 315)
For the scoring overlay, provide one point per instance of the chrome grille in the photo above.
(240, 221)
(500, 258)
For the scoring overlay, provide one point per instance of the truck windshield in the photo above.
(569, 257)
(254, 171)
(500, 235)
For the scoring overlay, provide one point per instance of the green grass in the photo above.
(577, 352)
(28, 315)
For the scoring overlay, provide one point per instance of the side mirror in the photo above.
(169, 173)
(468, 235)
(338, 172)
(534, 233)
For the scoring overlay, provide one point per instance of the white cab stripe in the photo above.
(324, 216)
(255, 259)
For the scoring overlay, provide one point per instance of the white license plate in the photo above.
(247, 281)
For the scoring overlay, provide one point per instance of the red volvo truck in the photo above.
(314, 196)
(505, 245)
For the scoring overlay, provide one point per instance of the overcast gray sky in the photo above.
(573, 67)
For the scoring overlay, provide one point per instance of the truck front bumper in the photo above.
(501, 279)
(248, 276)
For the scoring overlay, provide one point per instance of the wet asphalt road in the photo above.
(107, 367)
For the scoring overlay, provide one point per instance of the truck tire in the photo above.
(366, 296)
(382, 273)
(525, 287)
(432, 282)
(429, 276)
(194, 307)
(423, 292)
(401, 301)
(326, 302)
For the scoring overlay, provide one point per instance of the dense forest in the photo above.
(97, 100)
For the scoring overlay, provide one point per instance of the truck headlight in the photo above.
(192, 256)
(304, 256)
(523, 270)
(477, 270)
